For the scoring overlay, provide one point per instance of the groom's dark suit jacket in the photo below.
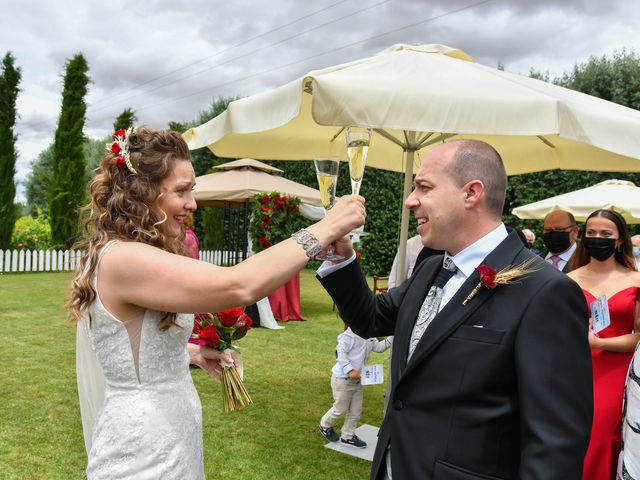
(498, 389)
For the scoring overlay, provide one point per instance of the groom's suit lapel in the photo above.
(454, 312)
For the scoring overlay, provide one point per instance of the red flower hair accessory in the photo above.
(120, 148)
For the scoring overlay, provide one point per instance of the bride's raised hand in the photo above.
(347, 214)
(208, 358)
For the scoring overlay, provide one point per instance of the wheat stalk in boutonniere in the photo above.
(490, 278)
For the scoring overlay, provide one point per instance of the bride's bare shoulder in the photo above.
(126, 255)
(127, 248)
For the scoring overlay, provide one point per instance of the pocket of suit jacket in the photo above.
(478, 334)
(448, 471)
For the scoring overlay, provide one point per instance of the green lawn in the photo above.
(287, 373)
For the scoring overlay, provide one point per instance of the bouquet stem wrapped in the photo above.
(220, 330)
(235, 394)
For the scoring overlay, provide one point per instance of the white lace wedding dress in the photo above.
(149, 425)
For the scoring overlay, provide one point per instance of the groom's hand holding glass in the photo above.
(345, 210)
(344, 248)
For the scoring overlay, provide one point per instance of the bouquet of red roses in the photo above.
(219, 330)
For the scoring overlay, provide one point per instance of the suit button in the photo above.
(398, 404)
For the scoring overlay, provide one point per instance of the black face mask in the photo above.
(556, 242)
(600, 248)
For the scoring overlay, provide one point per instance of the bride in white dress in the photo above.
(141, 412)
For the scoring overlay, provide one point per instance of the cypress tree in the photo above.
(125, 120)
(9, 80)
(68, 181)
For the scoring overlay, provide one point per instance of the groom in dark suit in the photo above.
(494, 384)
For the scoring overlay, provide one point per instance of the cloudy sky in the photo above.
(167, 60)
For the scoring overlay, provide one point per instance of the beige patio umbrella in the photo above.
(415, 97)
(619, 195)
(240, 180)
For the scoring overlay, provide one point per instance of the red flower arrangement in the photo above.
(274, 219)
(219, 331)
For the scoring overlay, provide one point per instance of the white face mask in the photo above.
(636, 251)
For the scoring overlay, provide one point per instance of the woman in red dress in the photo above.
(603, 265)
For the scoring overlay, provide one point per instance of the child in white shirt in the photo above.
(352, 355)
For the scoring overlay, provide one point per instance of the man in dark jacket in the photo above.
(490, 380)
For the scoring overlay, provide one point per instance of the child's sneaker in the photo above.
(354, 442)
(328, 433)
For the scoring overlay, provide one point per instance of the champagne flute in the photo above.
(358, 139)
(327, 175)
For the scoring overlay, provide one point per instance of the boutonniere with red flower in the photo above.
(220, 330)
(490, 278)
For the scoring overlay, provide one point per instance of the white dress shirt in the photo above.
(564, 256)
(469, 258)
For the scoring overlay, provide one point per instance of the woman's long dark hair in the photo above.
(623, 253)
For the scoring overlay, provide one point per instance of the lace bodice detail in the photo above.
(162, 356)
(150, 424)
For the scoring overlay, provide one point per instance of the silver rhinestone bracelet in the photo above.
(309, 242)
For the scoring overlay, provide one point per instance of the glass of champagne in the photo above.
(358, 139)
(327, 174)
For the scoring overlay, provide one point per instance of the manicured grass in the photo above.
(287, 373)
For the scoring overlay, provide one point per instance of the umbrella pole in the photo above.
(404, 223)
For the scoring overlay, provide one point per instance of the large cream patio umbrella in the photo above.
(619, 195)
(415, 97)
(241, 180)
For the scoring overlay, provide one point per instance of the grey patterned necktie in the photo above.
(431, 303)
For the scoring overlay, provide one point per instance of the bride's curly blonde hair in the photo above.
(121, 208)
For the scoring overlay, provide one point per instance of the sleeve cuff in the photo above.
(328, 268)
(347, 368)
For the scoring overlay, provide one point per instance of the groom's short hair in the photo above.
(477, 160)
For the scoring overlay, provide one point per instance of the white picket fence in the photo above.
(65, 260)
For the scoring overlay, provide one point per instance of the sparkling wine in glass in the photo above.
(327, 175)
(358, 139)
